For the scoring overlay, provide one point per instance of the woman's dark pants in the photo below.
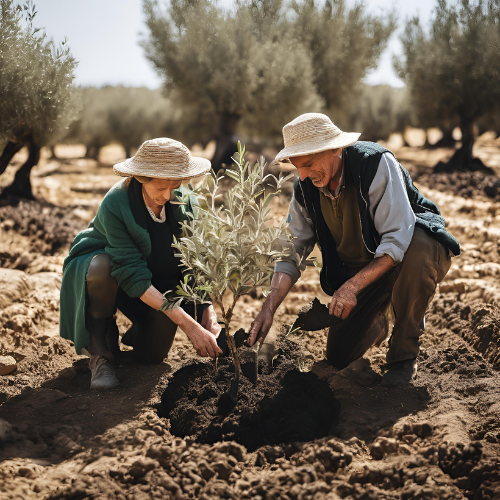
(401, 296)
(152, 332)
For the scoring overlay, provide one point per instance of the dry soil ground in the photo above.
(436, 439)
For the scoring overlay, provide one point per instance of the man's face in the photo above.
(319, 167)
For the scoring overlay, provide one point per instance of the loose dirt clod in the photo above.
(48, 227)
(478, 323)
(313, 317)
(7, 365)
(467, 184)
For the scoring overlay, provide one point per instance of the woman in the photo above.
(125, 261)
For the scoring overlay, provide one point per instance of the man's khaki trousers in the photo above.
(402, 297)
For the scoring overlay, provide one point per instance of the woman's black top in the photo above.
(162, 263)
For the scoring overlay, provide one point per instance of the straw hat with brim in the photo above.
(163, 158)
(312, 133)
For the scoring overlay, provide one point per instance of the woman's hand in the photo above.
(203, 341)
(209, 321)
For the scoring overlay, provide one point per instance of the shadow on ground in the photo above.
(63, 416)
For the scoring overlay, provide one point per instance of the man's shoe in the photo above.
(103, 373)
(399, 373)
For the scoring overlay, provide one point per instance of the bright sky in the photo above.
(104, 34)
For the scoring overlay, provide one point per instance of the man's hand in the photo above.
(343, 301)
(209, 321)
(203, 341)
(280, 286)
(261, 326)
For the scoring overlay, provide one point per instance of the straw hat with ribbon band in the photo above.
(163, 158)
(313, 133)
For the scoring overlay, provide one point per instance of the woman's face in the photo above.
(159, 190)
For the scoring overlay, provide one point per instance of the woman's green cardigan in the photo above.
(113, 231)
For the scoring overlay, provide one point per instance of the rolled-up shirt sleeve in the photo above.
(390, 210)
(301, 228)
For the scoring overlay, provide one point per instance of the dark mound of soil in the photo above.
(460, 162)
(466, 184)
(286, 406)
(48, 227)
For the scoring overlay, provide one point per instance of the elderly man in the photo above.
(384, 246)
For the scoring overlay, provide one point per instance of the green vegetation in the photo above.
(453, 72)
(343, 43)
(125, 115)
(38, 101)
(260, 64)
(380, 111)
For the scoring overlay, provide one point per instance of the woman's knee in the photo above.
(98, 278)
(101, 287)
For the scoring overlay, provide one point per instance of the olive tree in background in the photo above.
(453, 72)
(139, 114)
(126, 115)
(344, 43)
(227, 69)
(92, 128)
(37, 99)
(379, 111)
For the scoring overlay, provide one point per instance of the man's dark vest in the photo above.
(361, 162)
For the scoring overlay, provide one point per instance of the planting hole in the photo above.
(286, 406)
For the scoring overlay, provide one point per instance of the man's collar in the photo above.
(326, 190)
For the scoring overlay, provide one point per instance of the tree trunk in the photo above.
(462, 159)
(227, 143)
(427, 144)
(88, 152)
(467, 129)
(8, 153)
(21, 187)
(93, 152)
(447, 141)
(127, 151)
(403, 136)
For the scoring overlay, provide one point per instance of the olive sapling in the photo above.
(232, 246)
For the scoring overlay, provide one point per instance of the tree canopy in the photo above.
(37, 98)
(379, 111)
(344, 43)
(127, 115)
(453, 71)
(259, 65)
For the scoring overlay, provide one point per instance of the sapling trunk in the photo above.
(226, 317)
(234, 353)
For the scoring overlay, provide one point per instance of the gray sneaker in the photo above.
(399, 373)
(103, 373)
